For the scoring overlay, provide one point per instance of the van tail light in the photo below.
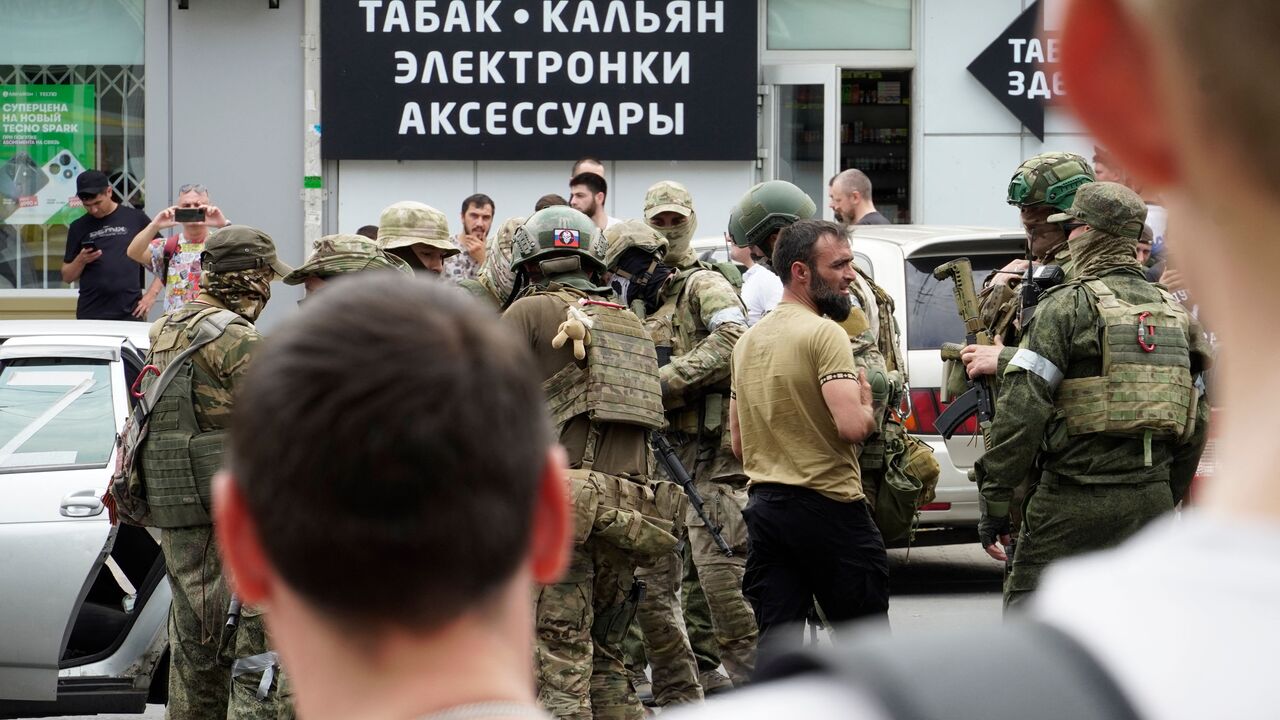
(935, 507)
(926, 405)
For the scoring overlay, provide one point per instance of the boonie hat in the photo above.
(240, 247)
(667, 196)
(411, 223)
(1109, 207)
(339, 254)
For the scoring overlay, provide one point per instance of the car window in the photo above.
(932, 318)
(55, 413)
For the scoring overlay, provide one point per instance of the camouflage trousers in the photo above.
(1062, 519)
(200, 656)
(702, 633)
(578, 676)
(659, 634)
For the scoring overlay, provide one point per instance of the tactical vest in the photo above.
(177, 460)
(675, 332)
(620, 382)
(1145, 387)
(888, 332)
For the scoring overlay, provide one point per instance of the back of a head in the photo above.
(549, 200)
(382, 510)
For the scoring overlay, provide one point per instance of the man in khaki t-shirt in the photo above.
(798, 411)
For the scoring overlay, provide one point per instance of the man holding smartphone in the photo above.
(175, 260)
(110, 285)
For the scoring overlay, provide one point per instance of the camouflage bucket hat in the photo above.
(1049, 179)
(667, 196)
(240, 247)
(338, 254)
(1109, 207)
(412, 223)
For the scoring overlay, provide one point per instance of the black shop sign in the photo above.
(1020, 69)
(538, 80)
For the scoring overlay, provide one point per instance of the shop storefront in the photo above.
(239, 95)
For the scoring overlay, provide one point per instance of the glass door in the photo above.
(801, 125)
(875, 135)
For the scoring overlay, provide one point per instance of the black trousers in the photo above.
(803, 545)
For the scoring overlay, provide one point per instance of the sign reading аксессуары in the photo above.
(538, 80)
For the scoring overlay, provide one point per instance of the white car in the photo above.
(83, 604)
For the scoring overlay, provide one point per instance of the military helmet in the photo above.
(1109, 207)
(767, 207)
(1049, 179)
(635, 234)
(556, 232)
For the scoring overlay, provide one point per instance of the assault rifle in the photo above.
(675, 469)
(978, 399)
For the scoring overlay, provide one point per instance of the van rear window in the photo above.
(932, 318)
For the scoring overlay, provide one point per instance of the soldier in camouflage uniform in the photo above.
(659, 634)
(1100, 396)
(239, 265)
(340, 254)
(696, 317)
(600, 375)
(494, 281)
(417, 234)
(1041, 186)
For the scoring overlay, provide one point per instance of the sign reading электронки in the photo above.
(538, 80)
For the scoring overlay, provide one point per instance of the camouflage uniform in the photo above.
(874, 341)
(341, 254)
(1099, 397)
(603, 393)
(405, 224)
(201, 683)
(698, 322)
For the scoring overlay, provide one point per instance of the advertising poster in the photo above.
(46, 139)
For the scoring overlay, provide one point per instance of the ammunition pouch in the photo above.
(624, 513)
(611, 625)
(707, 416)
(910, 481)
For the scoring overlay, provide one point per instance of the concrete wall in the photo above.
(367, 186)
(235, 101)
(968, 144)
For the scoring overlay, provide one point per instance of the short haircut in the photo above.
(577, 167)
(386, 511)
(369, 231)
(549, 200)
(479, 200)
(796, 243)
(853, 180)
(594, 182)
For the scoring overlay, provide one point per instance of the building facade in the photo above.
(227, 93)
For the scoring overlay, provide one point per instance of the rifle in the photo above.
(667, 456)
(978, 398)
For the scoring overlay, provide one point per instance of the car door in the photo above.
(61, 404)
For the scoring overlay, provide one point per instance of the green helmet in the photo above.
(558, 231)
(767, 207)
(1049, 179)
(633, 234)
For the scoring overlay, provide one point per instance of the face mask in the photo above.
(244, 292)
(678, 237)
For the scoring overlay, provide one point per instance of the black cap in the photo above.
(92, 182)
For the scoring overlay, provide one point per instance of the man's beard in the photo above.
(830, 301)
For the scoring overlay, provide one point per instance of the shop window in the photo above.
(65, 106)
(875, 135)
(839, 25)
(800, 138)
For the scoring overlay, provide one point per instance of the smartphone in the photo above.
(189, 215)
(88, 245)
